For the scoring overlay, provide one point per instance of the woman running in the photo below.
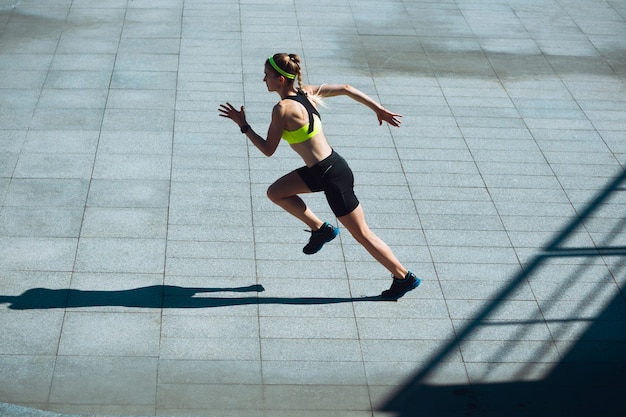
(296, 119)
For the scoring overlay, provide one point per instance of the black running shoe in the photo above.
(325, 234)
(399, 287)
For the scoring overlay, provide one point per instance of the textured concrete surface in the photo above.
(143, 271)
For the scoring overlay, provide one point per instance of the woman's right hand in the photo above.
(229, 111)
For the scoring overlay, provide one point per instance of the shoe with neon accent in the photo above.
(399, 287)
(325, 234)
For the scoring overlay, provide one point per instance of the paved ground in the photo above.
(144, 272)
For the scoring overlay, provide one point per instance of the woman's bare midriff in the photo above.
(313, 150)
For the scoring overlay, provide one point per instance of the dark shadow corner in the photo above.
(589, 380)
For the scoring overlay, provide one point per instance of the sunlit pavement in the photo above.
(143, 271)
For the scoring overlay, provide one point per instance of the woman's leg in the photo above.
(356, 225)
(284, 192)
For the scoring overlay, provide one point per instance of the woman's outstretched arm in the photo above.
(331, 90)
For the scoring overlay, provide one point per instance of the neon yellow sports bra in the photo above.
(304, 133)
(310, 129)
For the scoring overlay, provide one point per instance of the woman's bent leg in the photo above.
(284, 193)
(355, 223)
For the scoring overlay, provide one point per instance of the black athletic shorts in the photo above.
(333, 176)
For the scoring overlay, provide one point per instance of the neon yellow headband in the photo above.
(280, 70)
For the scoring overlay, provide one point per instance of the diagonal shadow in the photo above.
(590, 378)
(157, 296)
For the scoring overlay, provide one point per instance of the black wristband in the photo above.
(245, 128)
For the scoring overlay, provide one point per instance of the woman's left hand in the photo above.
(385, 115)
(227, 110)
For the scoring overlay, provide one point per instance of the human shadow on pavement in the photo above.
(157, 296)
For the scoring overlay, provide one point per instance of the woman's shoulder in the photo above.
(285, 108)
(327, 90)
(310, 90)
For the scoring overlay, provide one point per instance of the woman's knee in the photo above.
(364, 236)
(359, 231)
(273, 193)
(285, 187)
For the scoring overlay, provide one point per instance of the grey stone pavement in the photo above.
(143, 271)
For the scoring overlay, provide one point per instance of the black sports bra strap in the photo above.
(311, 110)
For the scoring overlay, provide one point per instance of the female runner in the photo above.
(296, 119)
